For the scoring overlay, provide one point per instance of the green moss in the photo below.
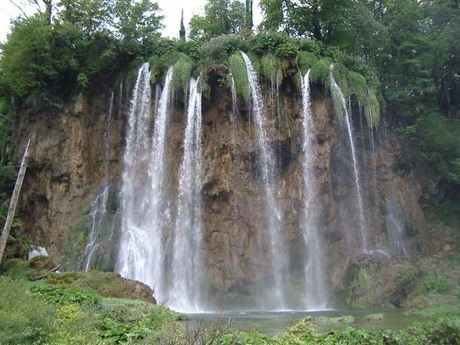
(270, 66)
(320, 71)
(306, 60)
(240, 75)
(340, 75)
(357, 86)
(182, 73)
(372, 109)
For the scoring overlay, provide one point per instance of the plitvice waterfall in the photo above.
(242, 196)
(167, 204)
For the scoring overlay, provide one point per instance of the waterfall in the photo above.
(98, 209)
(144, 196)
(187, 261)
(276, 253)
(316, 289)
(362, 222)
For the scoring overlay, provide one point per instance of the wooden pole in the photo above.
(14, 202)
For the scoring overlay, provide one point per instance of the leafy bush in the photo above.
(268, 42)
(24, 318)
(436, 285)
(287, 49)
(74, 326)
(218, 49)
(66, 295)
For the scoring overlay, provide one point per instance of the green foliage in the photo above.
(119, 333)
(306, 60)
(276, 43)
(182, 73)
(357, 86)
(320, 71)
(270, 66)
(240, 75)
(24, 317)
(436, 138)
(372, 109)
(65, 295)
(218, 49)
(247, 338)
(75, 326)
(287, 49)
(436, 285)
(7, 178)
(221, 17)
(17, 268)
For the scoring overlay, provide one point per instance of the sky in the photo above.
(171, 10)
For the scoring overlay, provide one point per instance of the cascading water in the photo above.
(316, 289)
(187, 260)
(98, 232)
(362, 222)
(144, 201)
(277, 255)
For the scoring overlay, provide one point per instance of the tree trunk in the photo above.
(14, 202)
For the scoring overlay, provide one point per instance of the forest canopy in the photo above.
(409, 48)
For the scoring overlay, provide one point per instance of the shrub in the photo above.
(75, 326)
(65, 295)
(24, 318)
(436, 285)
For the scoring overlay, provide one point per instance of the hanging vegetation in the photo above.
(182, 72)
(372, 109)
(270, 66)
(240, 75)
(320, 71)
(306, 60)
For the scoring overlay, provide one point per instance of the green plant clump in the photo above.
(320, 71)
(372, 109)
(66, 295)
(240, 75)
(436, 285)
(306, 60)
(25, 318)
(182, 73)
(271, 68)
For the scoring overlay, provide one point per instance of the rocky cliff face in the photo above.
(76, 151)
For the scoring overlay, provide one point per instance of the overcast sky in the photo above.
(171, 11)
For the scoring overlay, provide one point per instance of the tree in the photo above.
(47, 13)
(182, 27)
(221, 17)
(14, 202)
